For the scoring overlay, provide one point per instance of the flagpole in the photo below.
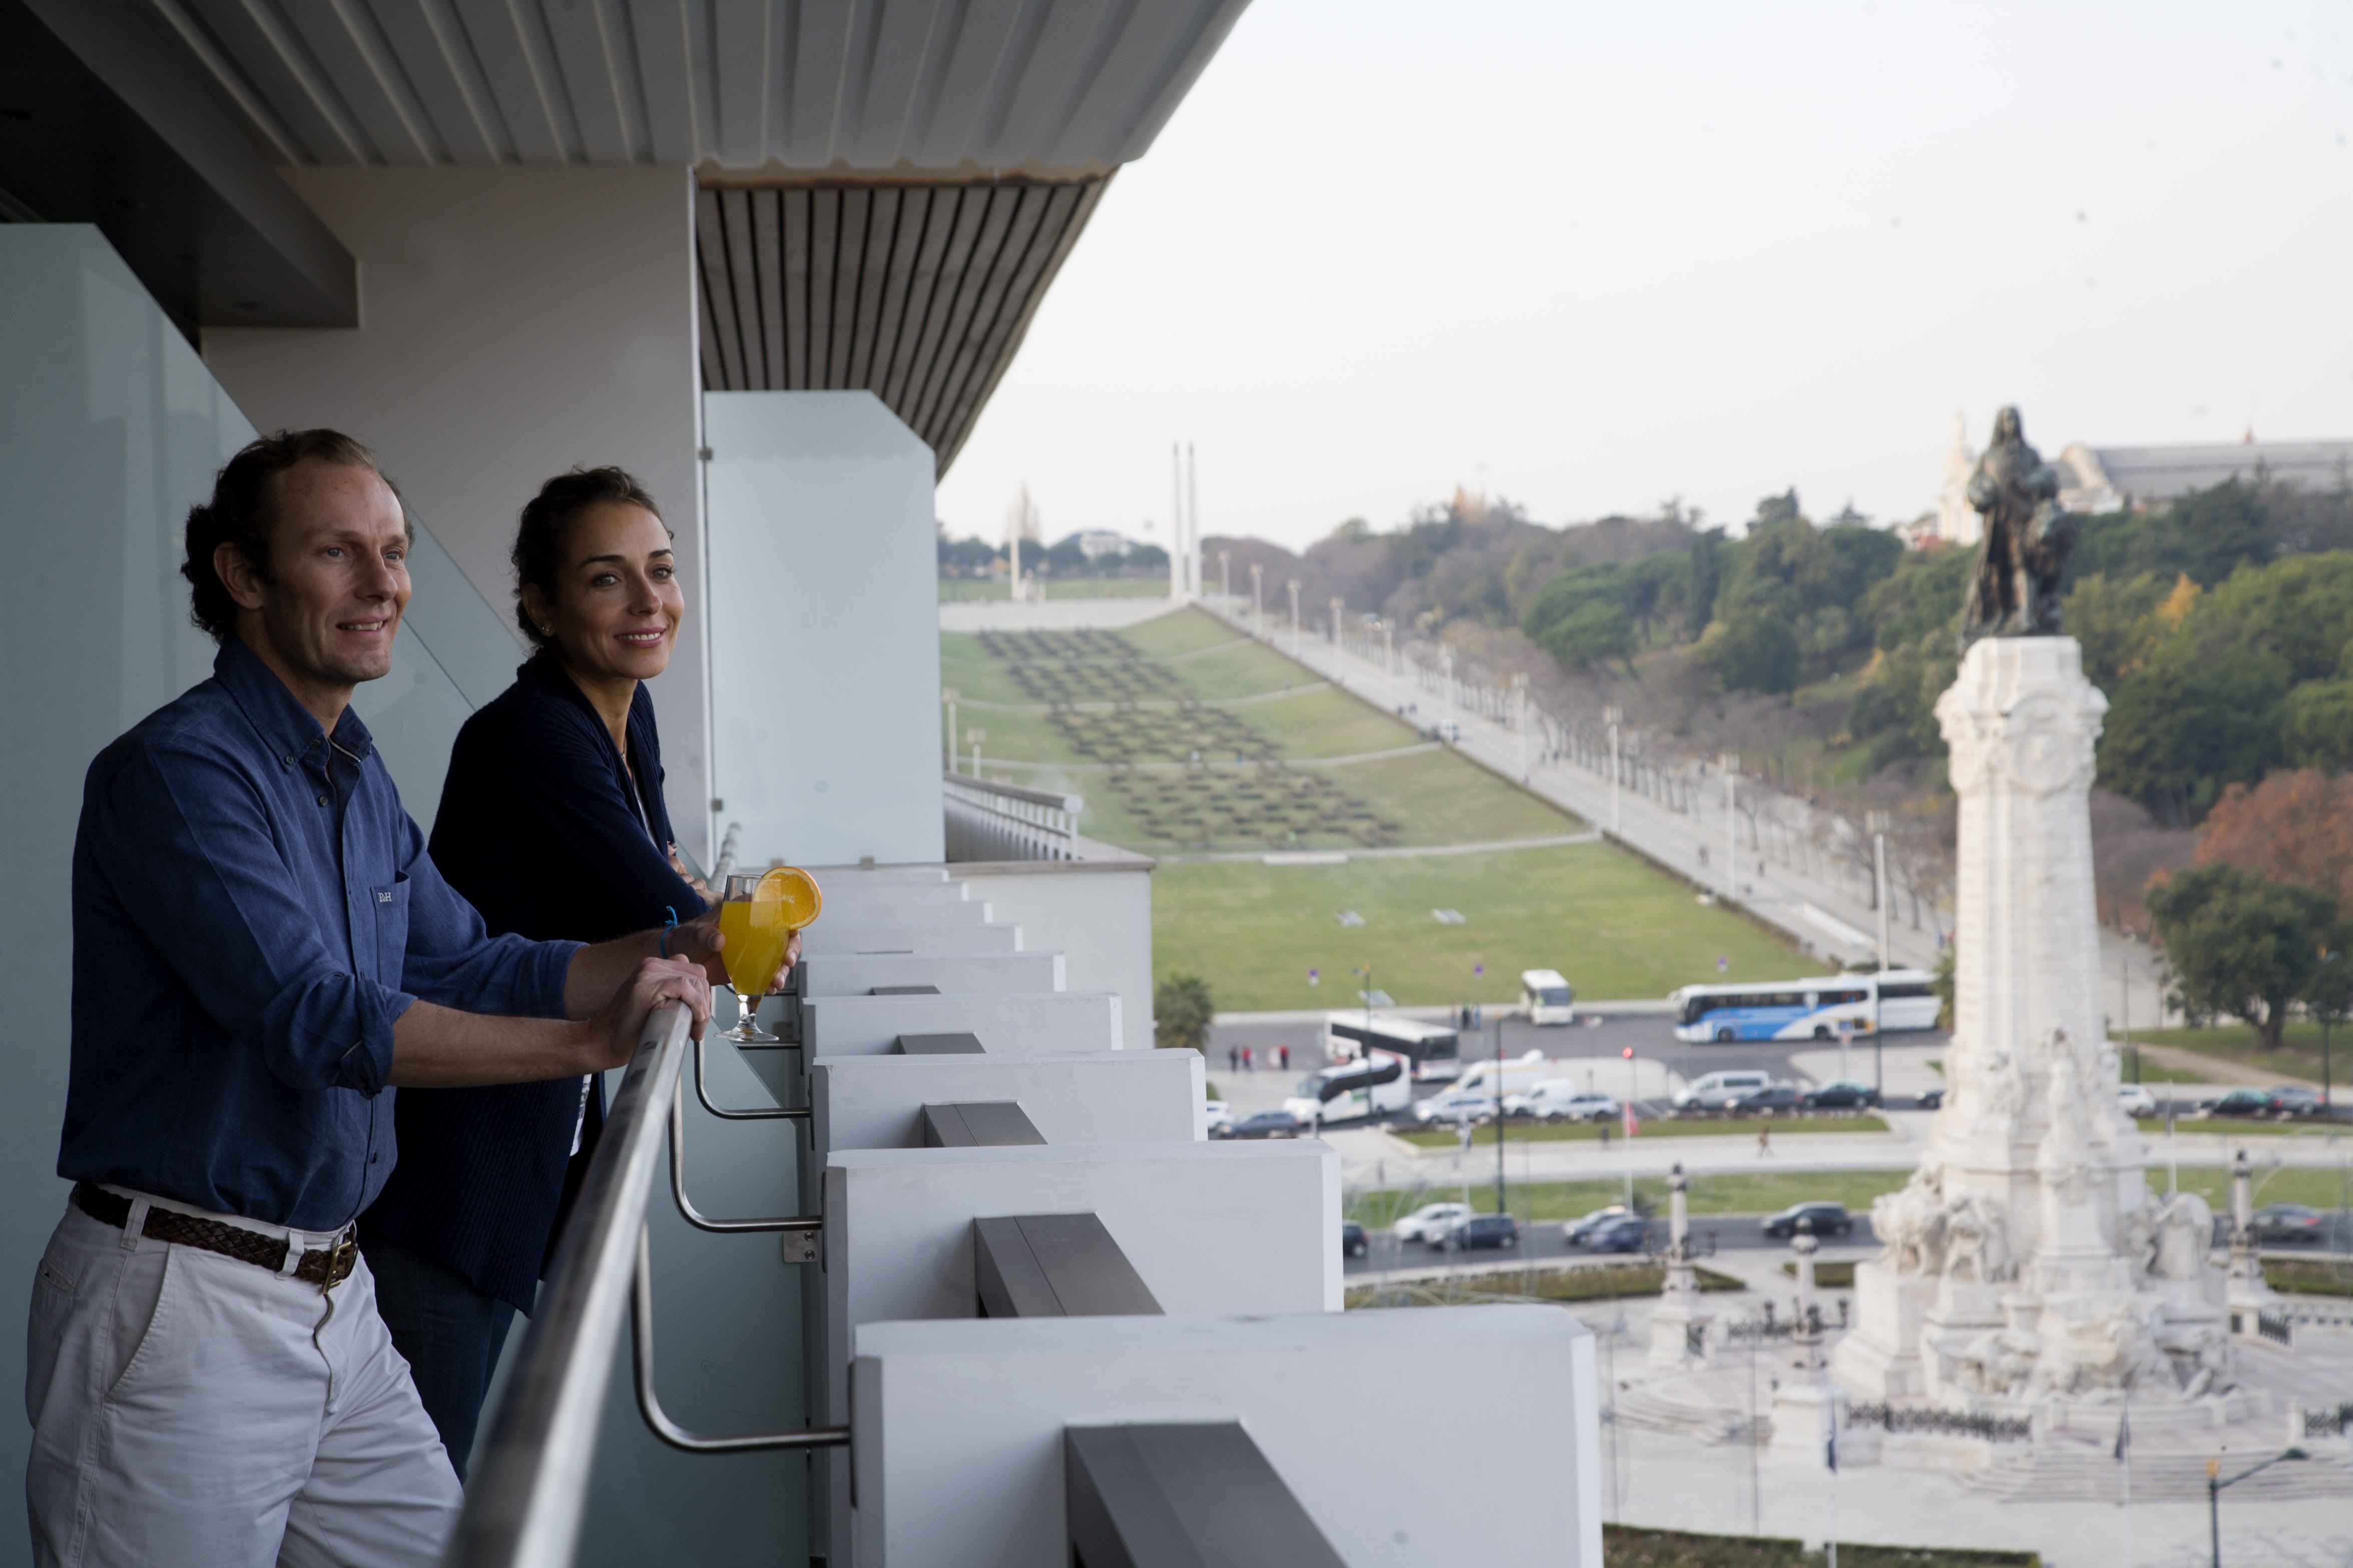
(2124, 1452)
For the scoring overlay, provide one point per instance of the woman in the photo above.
(552, 824)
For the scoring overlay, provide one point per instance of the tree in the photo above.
(2240, 944)
(1181, 1011)
(2199, 715)
(2316, 725)
(1593, 633)
(2292, 828)
(1754, 651)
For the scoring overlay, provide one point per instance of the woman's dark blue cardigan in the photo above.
(540, 829)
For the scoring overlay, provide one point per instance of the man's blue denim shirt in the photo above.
(252, 910)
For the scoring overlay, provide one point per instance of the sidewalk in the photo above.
(1825, 917)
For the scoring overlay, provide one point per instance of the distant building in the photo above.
(1095, 544)
(1956, 521)
(2093, 479)
(2111, 479)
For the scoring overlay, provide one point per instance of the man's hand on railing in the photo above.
(612, 1035)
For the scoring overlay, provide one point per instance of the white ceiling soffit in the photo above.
(746, 87)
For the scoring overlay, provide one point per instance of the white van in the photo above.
(1489, 1077)
(1546, 998)
(1719, 1091)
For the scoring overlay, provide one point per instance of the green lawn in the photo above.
(1186, 631)
(1614, 925)
(1579, 1282)
(2241, 1127)
(1604, 919)
(2308, 1276)
(2300, 1056)
(1628, 1546)
(1663, 1127)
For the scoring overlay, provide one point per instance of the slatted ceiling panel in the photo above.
(796, 291)
(918, 293)
(1070, 88)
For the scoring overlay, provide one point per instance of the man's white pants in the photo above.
(192, 1410)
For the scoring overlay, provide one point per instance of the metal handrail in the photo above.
(702, 1093)
(530, 1476)
(641, 1332)
(695, 1217)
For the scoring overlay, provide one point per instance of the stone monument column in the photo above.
(1681, 1329)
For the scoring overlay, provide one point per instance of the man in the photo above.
(262, 949)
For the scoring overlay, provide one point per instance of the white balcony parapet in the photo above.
(960, 1428)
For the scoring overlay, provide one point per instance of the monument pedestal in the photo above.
(1879, 1359)
(2025, 1260)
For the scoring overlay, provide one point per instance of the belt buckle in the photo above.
(342, 1259)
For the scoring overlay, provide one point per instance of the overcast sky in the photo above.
(1600, 255)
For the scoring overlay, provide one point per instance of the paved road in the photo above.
(1585, 1051)
(1543, 1241)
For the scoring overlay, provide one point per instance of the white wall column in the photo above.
(514, 321)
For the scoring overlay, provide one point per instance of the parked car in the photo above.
(1829, 1219)
(2293, 1100)
(1578, 1232)
(1719, 1091)
(1559, 1099)
(1354, 1242)
(2245, 1103)
(2277, 1223)
(1221, 1120)
(2135, 1100)
(1475, 1231)
(1931, 1099)
(1627, 1233)
(1275, 1123)
(1429, 1218)
(1773, 1099)
(1839, 1094)
(1456, 1105)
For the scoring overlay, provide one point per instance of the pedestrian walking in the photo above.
(1764, 1142)
(1249, 1065)
(1233, 1059)
(1282, 1057)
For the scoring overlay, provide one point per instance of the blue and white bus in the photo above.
(1805, 1009)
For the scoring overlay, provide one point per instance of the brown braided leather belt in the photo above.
(325, 1267)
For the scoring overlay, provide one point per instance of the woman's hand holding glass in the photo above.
(751, 938)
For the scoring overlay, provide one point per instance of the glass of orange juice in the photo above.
(757, 915)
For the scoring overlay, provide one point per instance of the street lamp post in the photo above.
(976, 735)
(1520, 691)
(1613, 716)
(1336, 621)
(1730, 821)
(948, 694)
(1226, 575)
(2214, 1485)
(1294, 618)
(1258, 603)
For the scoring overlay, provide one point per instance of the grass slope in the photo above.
(2299, 1058)
(1614, 925)
(1604, 919)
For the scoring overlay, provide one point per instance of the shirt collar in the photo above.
(287, 728)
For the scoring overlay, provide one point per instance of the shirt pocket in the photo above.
(389, 904)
